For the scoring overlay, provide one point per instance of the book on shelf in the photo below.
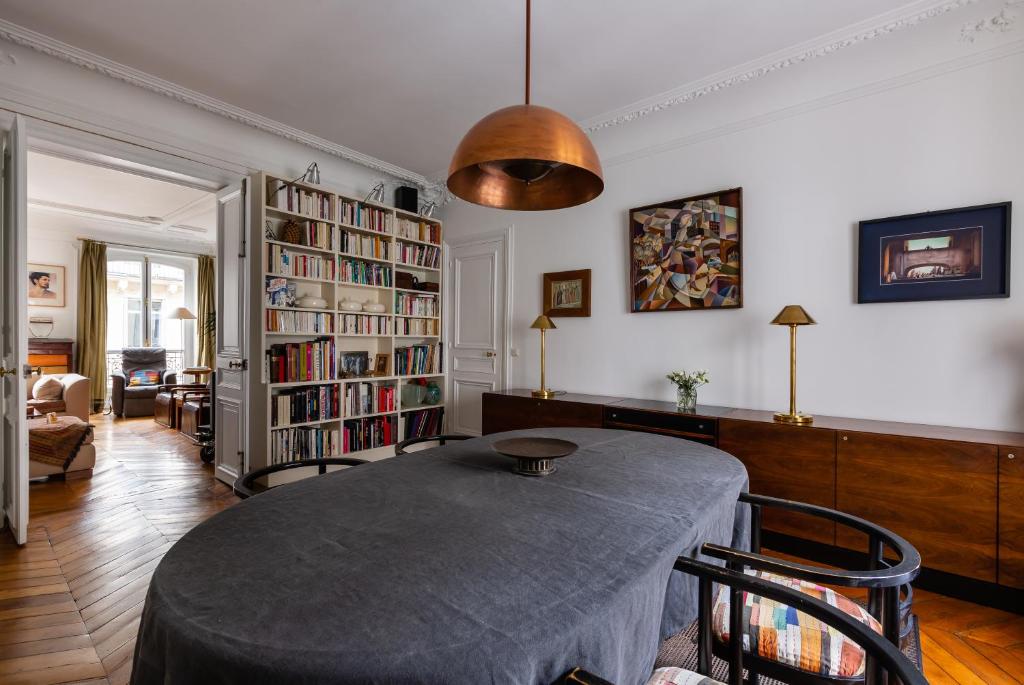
(418, 230)
(313, 360)
(418, 360)
(408, 304)
(365, 245)
(419, 255)
(367, 398)
(304, 442)
(284, 262)
(420, 424)
(368, 433)
(299, 200)
(414, 327)
(365, 324)
(353, 270)
(284, 321)
(305, 404)
(364, 216)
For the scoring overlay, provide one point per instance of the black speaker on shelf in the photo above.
(407, 198)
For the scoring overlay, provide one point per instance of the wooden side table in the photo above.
(197, 373)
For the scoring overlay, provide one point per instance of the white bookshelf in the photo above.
(379, 249)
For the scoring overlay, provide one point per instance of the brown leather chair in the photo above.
(138, 400)
(165, 404)
(195, 413)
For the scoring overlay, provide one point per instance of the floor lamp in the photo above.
(182, 314)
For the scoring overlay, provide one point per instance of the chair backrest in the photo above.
(425, 442)
(246, 485)
(139, 358)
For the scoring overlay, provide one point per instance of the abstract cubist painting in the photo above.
(685, 254)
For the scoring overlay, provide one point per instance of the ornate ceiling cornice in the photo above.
(87, 60)
(1001, 21)
(877, 27)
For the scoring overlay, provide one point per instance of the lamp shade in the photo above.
(793, 315)
(543, 322)
(526, 157)
(181, 313)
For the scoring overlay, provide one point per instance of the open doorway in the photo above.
(120, 279)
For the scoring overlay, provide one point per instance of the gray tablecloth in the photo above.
(443, 566)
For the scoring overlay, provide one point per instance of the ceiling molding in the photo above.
(88, 60)
(1000, 22)
(861, 32)
(862, 91)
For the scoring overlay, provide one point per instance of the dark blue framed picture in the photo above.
(955, 254)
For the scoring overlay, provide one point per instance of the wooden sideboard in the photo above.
(53, 355)
(956, 493)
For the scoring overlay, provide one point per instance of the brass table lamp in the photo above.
(793, 315)
(543, 324)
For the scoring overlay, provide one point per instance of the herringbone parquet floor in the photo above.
(70, 599)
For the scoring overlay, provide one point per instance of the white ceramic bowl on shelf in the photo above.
(311, 302)
(373, 308)
(350, 306)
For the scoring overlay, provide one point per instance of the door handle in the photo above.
(7, 372)
(240, 364)
(489, 353)
(27, 370)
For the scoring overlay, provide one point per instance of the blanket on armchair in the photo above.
(56, 444)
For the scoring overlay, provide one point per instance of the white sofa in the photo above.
(74, 401)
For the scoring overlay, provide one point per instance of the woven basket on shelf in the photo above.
(291, 232)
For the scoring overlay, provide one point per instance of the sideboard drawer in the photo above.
(507, 413)
(699, 428)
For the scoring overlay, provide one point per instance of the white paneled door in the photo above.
(13, 328)
(478, 302)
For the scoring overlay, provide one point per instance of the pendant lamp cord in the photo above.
(527, 51)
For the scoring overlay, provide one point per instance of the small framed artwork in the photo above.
(567, 293)
(954, 254)
(355, 364)
(45, 285)
(685, 254)
(382, 365)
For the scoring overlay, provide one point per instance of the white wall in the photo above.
(850, 151)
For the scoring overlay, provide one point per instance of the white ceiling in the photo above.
(402, 80)
(137, 206)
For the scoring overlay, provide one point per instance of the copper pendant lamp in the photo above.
(526, 157)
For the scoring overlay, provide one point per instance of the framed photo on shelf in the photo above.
(46, 285)
(953, 254)
(685, 254)
(382, 365)
(355, 364)
(567, 293)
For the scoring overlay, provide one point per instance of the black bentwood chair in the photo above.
(880, 651)
(246, 486)
(884, 580)
(426, 442)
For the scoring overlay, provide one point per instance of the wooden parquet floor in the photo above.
(70, 599)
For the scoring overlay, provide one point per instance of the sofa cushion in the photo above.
(140, 392)
(44, 406)
(145, 377)
(48, 388)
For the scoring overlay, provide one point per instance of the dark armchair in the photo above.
(138, 400)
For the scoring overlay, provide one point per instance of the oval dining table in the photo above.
(444, 566)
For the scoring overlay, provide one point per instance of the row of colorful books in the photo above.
(318, 234)
(300, 200)
(283, 262)
(365, 273)
(422, 423)
(364, 434)
(367, 398)
(419, 255)
(281, 321)
(416, 305)
(305, 404)
(418, 230)
(418, 359)
(365, 245)
(310, 442)
(313, 360)
(363, 216)
(365, 324)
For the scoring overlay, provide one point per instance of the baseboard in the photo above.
(949, 584)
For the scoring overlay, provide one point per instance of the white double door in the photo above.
(13, 324)
(478, 303)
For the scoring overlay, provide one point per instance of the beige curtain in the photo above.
(92, 319)
(207, 311)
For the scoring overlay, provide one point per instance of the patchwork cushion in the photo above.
(794, 638)
(48, 388)
(144, 377)
(679, 676)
